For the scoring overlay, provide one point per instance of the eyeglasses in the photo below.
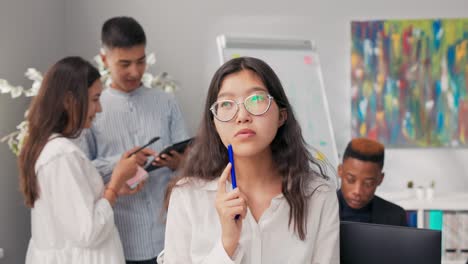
(256, 104)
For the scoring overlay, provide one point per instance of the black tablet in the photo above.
(179, 147)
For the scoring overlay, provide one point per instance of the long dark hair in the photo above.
(208, 156)
(65, 83)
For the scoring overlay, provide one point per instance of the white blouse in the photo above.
(71, 222)
(193, 230)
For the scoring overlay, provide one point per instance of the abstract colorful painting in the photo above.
(409, 81)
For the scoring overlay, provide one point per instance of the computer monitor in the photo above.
(362, 243)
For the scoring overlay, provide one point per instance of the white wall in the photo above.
(32, 36)
(182, 33)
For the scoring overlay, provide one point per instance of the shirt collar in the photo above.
(125, 94)
(210, 185)
(213, 186)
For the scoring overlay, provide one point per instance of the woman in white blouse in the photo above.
(72, 219)
(287, 210)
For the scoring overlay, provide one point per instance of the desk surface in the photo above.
(440, 201)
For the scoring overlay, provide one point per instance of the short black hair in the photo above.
(122, 32)
(366, 150)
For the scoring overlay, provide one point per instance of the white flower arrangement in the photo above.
(15, 139)
(161, 81)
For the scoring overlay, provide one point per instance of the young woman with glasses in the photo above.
(288, 210)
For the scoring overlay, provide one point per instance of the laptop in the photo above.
(363, 243)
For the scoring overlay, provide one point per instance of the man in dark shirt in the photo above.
(361, 174)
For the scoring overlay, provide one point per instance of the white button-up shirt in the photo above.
(193, 230)
(71, 222)
(128, 120)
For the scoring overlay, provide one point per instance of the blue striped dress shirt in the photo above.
(128, 120)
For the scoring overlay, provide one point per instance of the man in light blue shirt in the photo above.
(132, 115)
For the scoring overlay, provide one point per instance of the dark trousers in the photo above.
(149, 261)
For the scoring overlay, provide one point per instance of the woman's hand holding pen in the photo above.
(228, 205)
(125, 169)
(125, 189)
(141, 157)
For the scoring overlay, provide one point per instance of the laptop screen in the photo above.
(363, 243)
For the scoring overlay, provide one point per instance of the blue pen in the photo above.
(233, 171)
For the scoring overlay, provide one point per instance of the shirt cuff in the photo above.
(106, 213)
(108, 168)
